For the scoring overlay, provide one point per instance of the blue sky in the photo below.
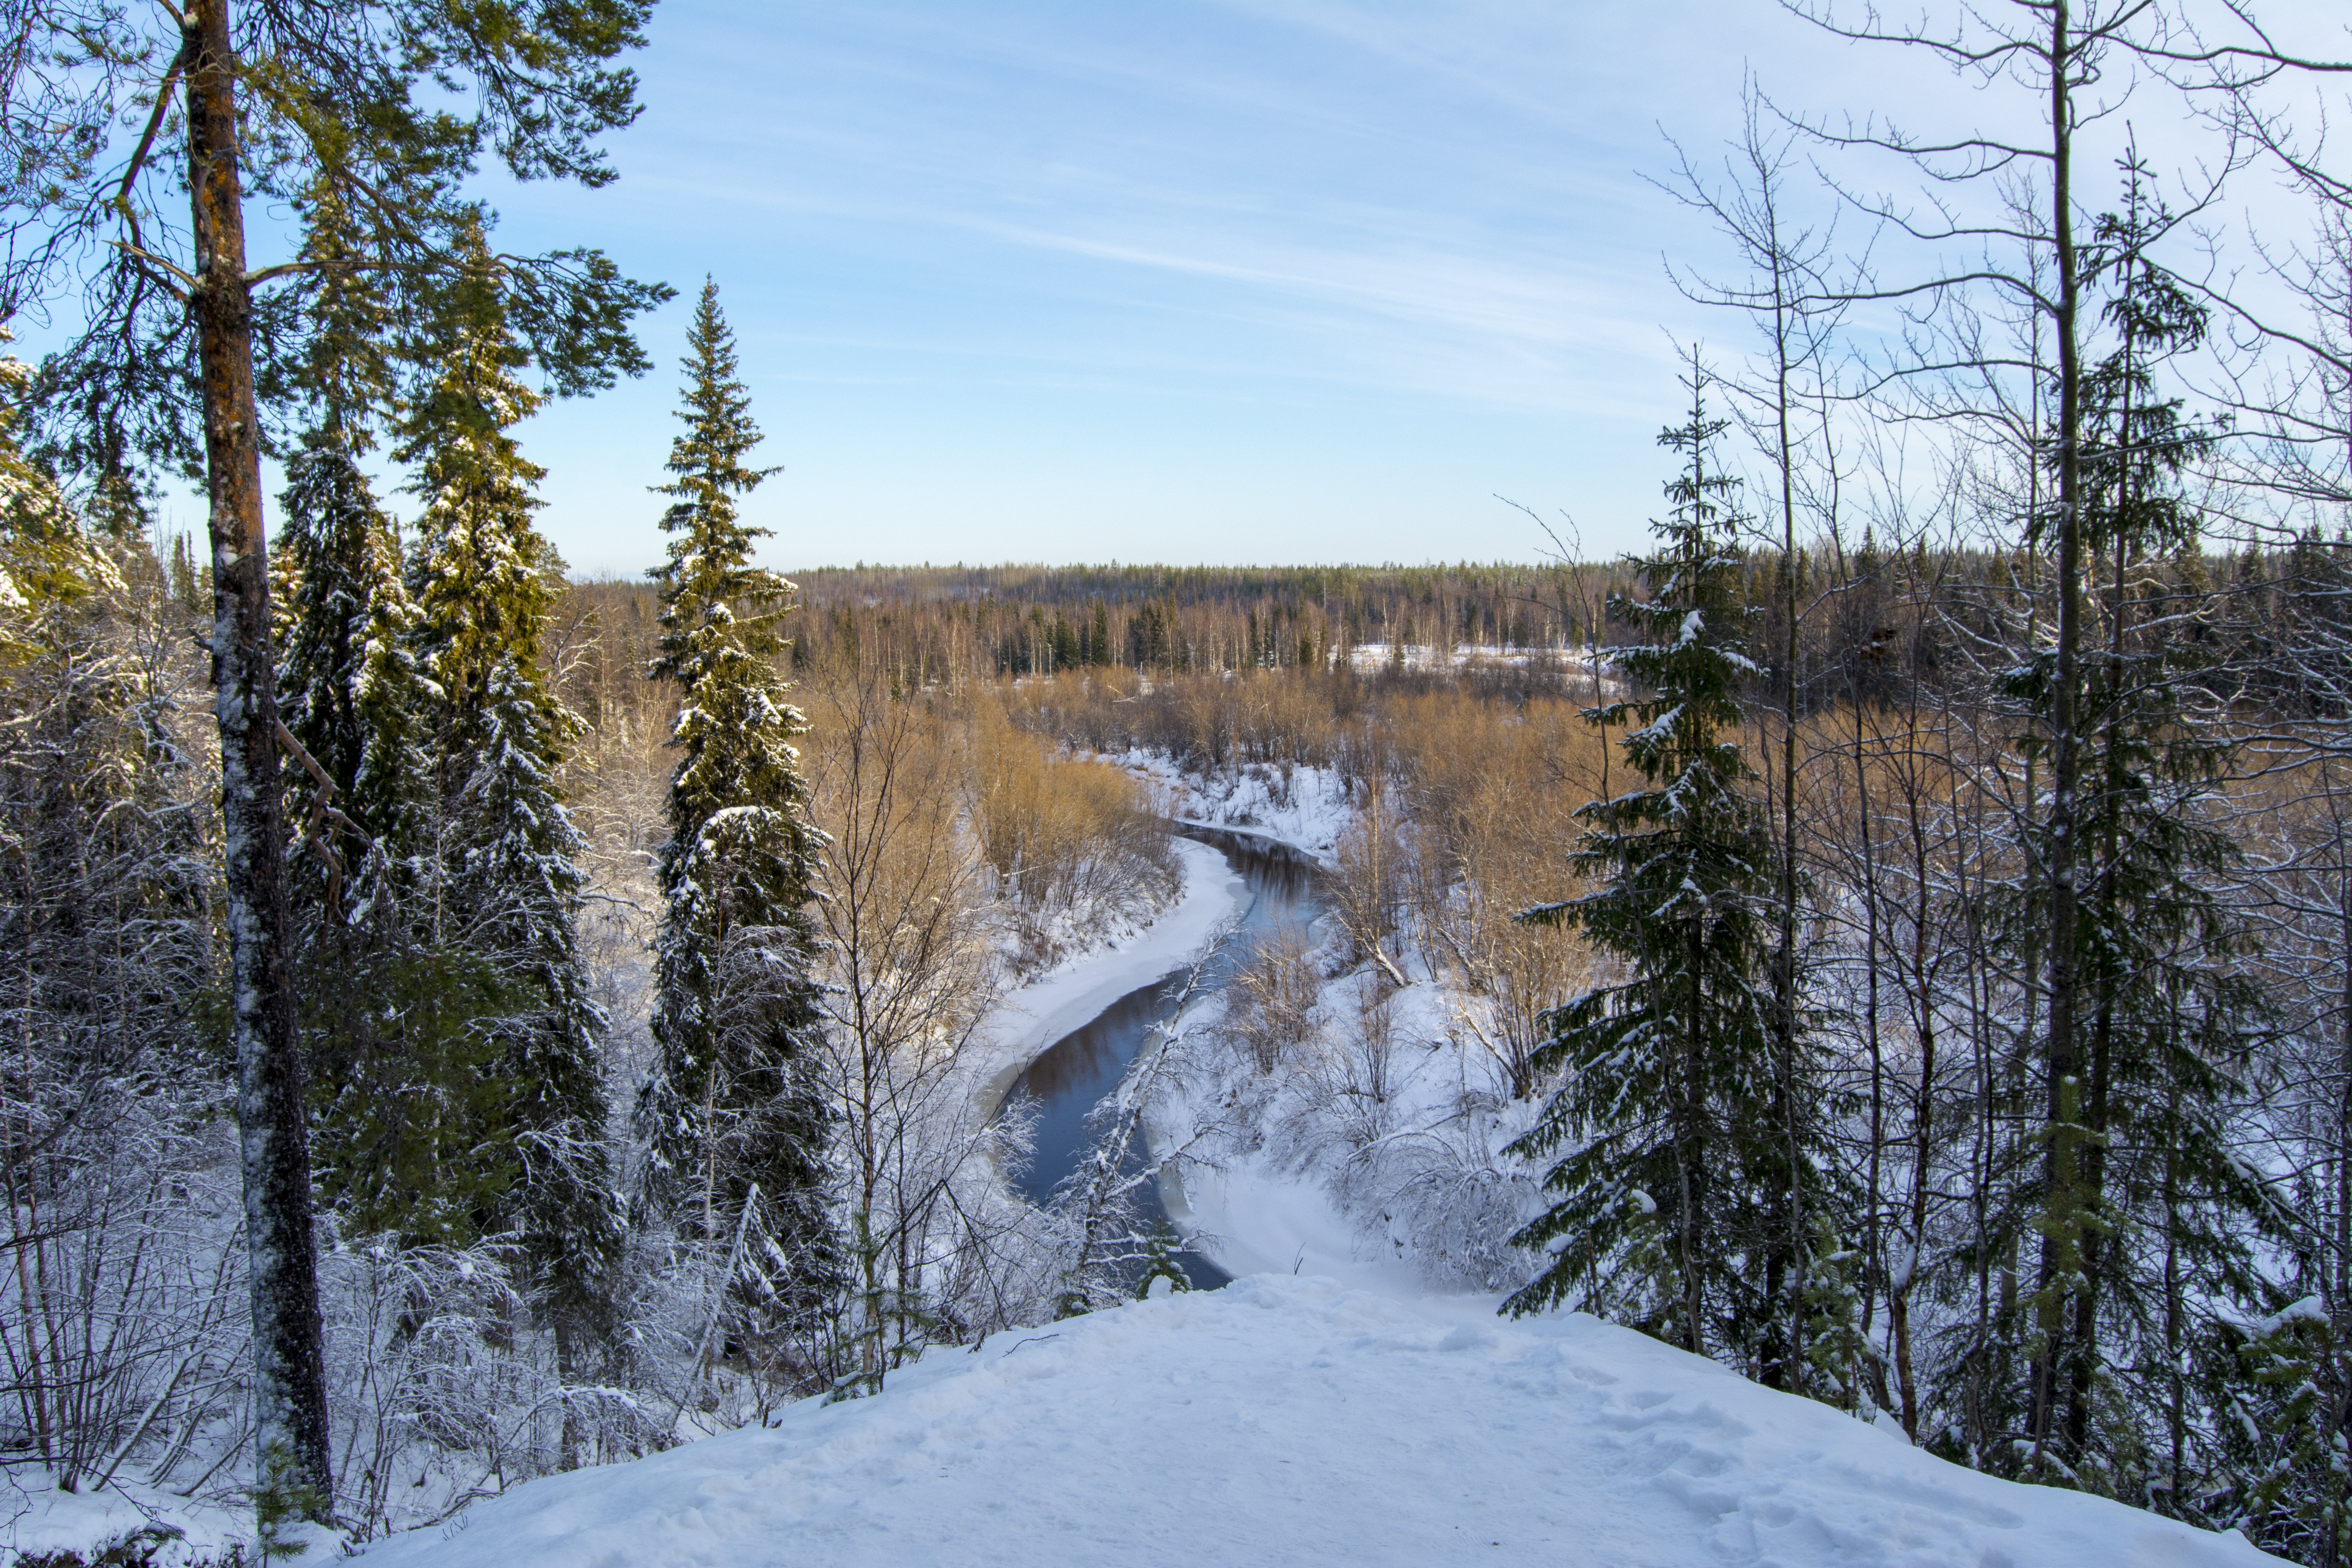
(1190, 280)
(1245, 282)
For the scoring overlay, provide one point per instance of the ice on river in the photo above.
(1295, 1420)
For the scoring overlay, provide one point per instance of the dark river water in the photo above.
(1081, 1068)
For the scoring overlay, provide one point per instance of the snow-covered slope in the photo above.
(1289, 1420)
(1305, 808)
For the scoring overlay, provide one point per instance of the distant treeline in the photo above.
(1874, 621)
(1034, 620)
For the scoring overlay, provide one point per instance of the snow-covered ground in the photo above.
(1031, 1019)
(1327, 1407)
(1248, 1217)
(38, 1519)
(1303, 806)
(1371, 656)
(1250, 1213)
(1298, 1421)
(1261, 1191)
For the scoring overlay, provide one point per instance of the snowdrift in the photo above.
(1296, 1421)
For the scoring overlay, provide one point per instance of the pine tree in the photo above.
(509, 853)
(397, 100)
(731, 1115)
(1673, 1198)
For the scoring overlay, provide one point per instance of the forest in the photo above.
(467, 1021)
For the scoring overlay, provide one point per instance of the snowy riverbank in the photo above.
(1026, 1022)
(1296, 1421)
(1304, 808)
(1373, 1156)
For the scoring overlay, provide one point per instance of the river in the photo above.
(1074, 1074)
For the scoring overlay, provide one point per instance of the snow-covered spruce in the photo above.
(1691, 1139)
(350, 689)
(484, 580)
(731, 1117)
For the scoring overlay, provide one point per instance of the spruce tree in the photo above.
(509, 852)
(350, 687)
(348, 684)
(47, 557)
(1671, 1202)
(415, 1116)
(2148, 1220)
(476, 573)
(731, 1115)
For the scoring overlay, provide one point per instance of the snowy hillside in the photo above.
(1305, 807)
(1292, 1420)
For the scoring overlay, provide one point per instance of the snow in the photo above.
(1327, 1407)
(1657, 730)
(1324, 1408)
(1252, 1199)
(1028, 1021)
(1300, 1421)
(1301, 806)
(36, 1517)
(1368, 656)
(1249, 1216)
(2310, 1310)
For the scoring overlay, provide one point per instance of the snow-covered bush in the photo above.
(117, 1320)
(1273, 1005)
(440, 1388)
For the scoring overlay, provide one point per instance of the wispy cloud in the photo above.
(1314, 224)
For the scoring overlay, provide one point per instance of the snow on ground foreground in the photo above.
(1296, 1421)
(36, 1520)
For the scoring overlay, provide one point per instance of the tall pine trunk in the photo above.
(289, 1382)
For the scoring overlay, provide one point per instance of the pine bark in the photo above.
(290, 1384)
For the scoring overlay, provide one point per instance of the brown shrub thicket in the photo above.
(1062, 834)
(1493, 795)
